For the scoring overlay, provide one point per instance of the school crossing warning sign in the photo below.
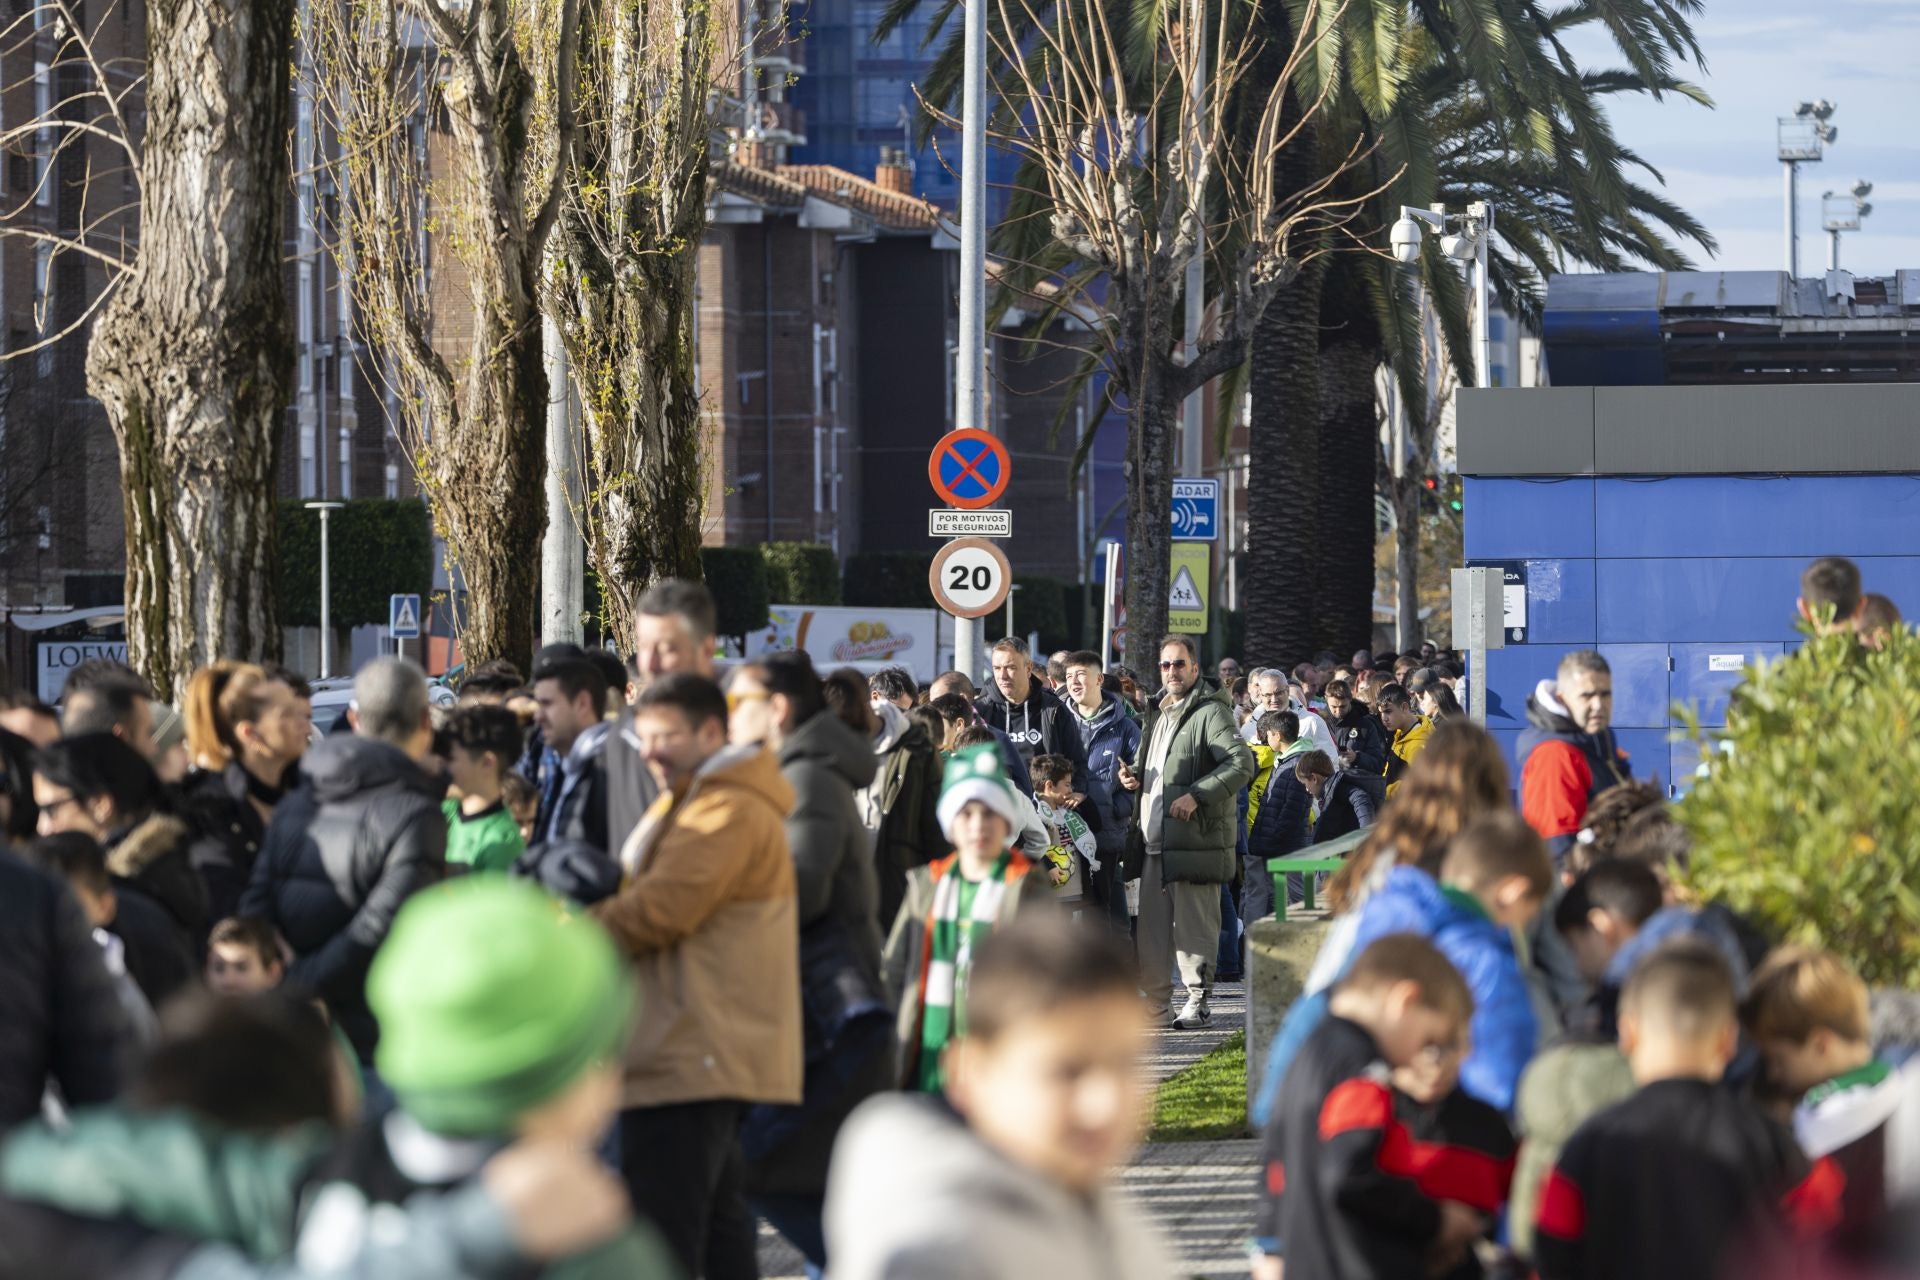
(1189, 581)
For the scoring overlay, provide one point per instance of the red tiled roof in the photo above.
(790, 184)
(758, 184)
(889, 208)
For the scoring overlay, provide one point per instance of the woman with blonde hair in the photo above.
(247, 727)
(1459, 775)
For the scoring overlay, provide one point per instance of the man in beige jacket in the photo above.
(706, 911)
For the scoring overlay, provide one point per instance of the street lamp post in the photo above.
(1466, 237)
(1803, 137)
(326, 588)
(970, 374)
(1843, 212)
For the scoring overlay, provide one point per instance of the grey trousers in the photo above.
(1179, 923)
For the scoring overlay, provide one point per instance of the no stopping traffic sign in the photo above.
(969, 469)
(970, 577)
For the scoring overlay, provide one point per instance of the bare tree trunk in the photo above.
(474, 419)
(1405, 490)
(192, 355)
(622, 293)
(1154, 418)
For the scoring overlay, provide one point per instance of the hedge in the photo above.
(377, 548)
(738, 578)
(802, 573)
(1804, 823)
(1040, 605)
(889, 580)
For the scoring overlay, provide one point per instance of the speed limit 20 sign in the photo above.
(970, 577)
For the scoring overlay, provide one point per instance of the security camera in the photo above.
(1459, 248)
(1406, 240)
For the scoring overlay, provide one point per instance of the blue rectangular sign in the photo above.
(1196, 510)
(403, 618)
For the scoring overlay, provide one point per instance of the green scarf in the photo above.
(964, 912)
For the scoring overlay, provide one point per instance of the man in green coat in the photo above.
(1189, 770)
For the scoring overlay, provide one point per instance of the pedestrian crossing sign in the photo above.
(403, 618)
(1189, 581)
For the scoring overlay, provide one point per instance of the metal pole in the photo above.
(326, 589)
(1793, 219)
(1477, 686)
(1010, 591)
(1833, 250)
(1482, 331)
(326, 599)
(562, 573)
(1106, 604)
(970, 378)
(1191, 452)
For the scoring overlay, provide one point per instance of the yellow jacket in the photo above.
(1406, 745)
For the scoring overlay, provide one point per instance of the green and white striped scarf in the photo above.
(963, 914)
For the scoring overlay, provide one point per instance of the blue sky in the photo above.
(1763, 56)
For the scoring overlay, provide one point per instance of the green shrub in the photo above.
(1040, 605)
(377, 548)
(802, 573)
(737, 576)
(1805, 822)
(889, 580)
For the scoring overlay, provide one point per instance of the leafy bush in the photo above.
(378, 547)
(802, 573)
(737, 576)
(1040, 605)
(889, 580)
(1806, 821)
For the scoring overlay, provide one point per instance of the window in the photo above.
(43, 137)
(1496, 327)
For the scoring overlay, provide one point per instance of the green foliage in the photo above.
(802, 573)
(1040, 604)
(1228, 636)
(378, 547)
(737, 576)
(889, 580)
(1208, 1100)
(1806, 822)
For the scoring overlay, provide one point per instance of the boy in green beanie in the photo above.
(952, 904)
(501, 1019)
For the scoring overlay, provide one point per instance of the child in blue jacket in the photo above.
(1494, 878)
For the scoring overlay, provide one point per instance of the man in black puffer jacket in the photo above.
(60, 1021)
(361, 835)
(1028, 712)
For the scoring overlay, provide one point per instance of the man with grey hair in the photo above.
(359, 836)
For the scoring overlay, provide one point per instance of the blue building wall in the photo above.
(1665, 574)
(858, 96)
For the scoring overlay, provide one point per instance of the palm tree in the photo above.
(1462, 97)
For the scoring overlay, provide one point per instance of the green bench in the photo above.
(1330, 856)
(1281, 867)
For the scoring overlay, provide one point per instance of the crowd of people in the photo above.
(609, 961)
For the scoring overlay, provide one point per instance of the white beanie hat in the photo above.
(977, 773)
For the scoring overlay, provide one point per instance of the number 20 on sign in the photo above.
(970, 577)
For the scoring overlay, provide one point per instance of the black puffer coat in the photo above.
(227, 832)
(60, 1020)
(361, 835)
(847, 1024)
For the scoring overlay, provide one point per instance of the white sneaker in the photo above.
(1194, 1015)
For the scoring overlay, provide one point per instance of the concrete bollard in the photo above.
(1280, 954)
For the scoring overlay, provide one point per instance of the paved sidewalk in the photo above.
(1203, 1194)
